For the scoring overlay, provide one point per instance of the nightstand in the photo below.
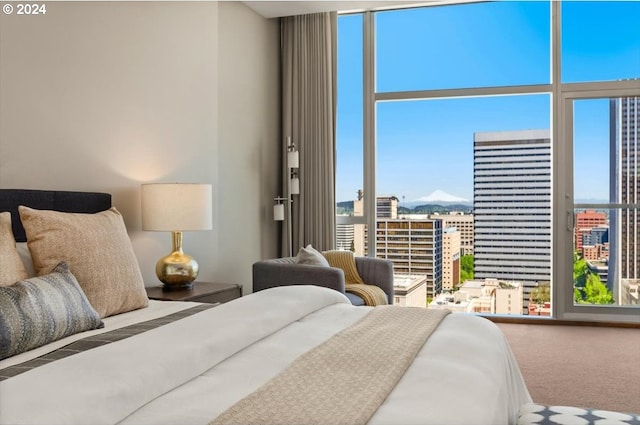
(202, 292)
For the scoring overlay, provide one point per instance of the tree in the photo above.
(580, 271)
(597, 292)
(588, 288)
(466, 267)
(541, 294)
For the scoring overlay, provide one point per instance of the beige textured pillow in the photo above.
(11, 266)
(98, 251)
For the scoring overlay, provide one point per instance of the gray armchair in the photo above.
(285, 271)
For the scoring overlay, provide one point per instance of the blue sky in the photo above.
(427, 145)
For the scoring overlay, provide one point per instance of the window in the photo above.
(600, 40)
(473, 171)
(504, 43)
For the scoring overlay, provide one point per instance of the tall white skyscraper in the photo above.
(512, 207)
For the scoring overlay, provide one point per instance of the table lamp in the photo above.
(176, 208)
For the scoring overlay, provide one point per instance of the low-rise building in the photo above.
(489, 296)
(458, 302)
(410, 290)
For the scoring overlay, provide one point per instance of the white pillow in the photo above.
(311, 256)
(25, 256)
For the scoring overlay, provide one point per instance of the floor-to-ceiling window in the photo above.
(482, 124)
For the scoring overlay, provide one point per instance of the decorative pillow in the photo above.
(25, 256)
(346, 261)
(98, 251)
(11, 267)
(311, 256)
(40, 310)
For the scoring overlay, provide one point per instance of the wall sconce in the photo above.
(278, 209)
(295, 182)
(280, 213)
(176, 207)
(293, 157)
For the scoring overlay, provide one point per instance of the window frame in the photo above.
(563, 205)
(562, 96)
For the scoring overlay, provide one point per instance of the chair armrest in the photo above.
(267, 274)
(378, 272)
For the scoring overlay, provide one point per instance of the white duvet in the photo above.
(190, 371)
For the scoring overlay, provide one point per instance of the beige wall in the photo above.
(104, 96)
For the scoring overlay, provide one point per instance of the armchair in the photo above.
(285, 271)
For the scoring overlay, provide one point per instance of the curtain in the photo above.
(308, 49)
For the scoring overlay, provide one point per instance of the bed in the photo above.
(162, 362)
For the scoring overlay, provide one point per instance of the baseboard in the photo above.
(551, 321)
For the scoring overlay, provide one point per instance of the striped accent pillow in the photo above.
(43, 309)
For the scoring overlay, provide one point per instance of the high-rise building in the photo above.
(512, 207)
(624, 234)
(345, 237)
(386, 207)
(413, 244)
(464, 224)
(450, 258)
(414, 247)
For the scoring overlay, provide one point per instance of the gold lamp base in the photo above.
(177, 270)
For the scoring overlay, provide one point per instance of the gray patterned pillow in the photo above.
(43, 309)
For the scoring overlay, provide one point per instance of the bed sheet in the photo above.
(155, 310)
(192, 370)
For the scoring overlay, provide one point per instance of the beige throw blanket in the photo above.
(345, 379)
(371, 295)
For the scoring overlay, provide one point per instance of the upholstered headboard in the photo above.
(65, 201)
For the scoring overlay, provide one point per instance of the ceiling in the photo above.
(275, 9)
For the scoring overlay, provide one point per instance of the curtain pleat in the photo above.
(308, 45)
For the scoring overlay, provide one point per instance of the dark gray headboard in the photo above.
(65, 201)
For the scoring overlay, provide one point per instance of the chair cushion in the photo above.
(355, 300)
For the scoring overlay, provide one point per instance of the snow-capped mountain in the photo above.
(440, 196)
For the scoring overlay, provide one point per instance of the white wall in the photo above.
(104, 96)
(247, 146)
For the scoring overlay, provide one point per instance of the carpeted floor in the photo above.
(582, 366)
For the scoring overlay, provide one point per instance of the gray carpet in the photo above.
(582, 366)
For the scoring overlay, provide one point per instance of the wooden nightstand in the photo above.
(202, 292)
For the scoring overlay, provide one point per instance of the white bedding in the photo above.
(190, 371)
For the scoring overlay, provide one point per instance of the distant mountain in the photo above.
(346, 208)
(436, 209)
(439, 196)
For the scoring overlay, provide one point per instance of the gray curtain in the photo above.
(309, 59)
